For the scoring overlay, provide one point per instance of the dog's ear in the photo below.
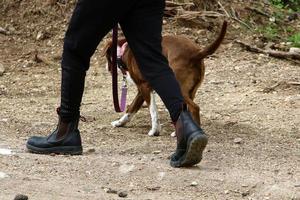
(106, 51)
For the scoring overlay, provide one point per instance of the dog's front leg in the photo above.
(130, 112)
(156, 127)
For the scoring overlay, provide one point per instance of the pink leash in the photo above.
(118, 107)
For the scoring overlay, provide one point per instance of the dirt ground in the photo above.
(250, 109)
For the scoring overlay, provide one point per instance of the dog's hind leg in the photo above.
(131, 111)
(194, 109)
(156, 127)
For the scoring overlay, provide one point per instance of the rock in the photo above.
(3, 175)
(21, 197)
(226, 191)
(122, 194)
(3, 31)
(2, 69)
(110, 191)
(244, 194)
(194, 183)
(5, 152)
(124, 169)
(155, 188)
(238, 140)
(156, 152)
(294, 50)
(91, 150)
(40, 35)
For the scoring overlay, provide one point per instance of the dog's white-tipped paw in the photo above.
(153, 132)
(121, 122)
(173, 134)
(117, 123)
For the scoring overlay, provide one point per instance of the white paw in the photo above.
(117, 123)
(153, 132)
(173, 134)
(121, 122)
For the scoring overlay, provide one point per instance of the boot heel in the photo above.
(193, 155)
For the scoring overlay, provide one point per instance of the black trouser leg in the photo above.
(90, 22)
(141, 21)
(142, 29)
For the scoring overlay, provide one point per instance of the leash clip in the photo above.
(125, 81)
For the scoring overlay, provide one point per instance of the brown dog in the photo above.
(186, 60)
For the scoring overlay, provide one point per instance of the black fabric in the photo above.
(141, 22)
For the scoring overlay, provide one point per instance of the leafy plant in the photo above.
(270, 32)
(295, 39)
(290, 4)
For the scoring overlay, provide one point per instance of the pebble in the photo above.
(40, 36)
(226, 191)
(21, 197)
(3, 175)
(156, 152)
(3, 31)
(122, 194)
(155, 188)
(294, 50)
(91, 150)
(124, 169)
(2, 69)
(110, 191)
(238, 140)
(194, 183)
(5, 152)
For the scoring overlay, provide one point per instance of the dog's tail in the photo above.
(215, 45)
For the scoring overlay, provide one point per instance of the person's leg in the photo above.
(142, 29)
(90, 22)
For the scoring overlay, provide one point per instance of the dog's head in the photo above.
(107, 52)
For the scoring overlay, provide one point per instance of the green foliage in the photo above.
(289, 4)
(295, 39)
(270, 32)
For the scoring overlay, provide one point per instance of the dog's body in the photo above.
(186, 60)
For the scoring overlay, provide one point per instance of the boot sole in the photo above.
(65, 150)
(195, 147)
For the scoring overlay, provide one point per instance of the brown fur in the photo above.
(186, 60)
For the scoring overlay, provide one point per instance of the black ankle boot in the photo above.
(64, 140)
(191, 141)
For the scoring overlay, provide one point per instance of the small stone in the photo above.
(226, 191)
(3, 175)
(122, 194)
(156, 152)
(238, 140)
(294, 50)
(194, 183)
(3, 31)
(155, 188)
(244, 194)
(5, 152)
(21, 197)
(91, 150)
(40, 35)
(2, 69)
(125, 168)
(110, 191)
